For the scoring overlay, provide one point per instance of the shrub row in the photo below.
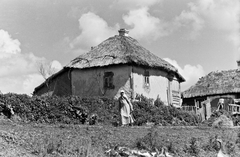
(160, 114)
(64, 110)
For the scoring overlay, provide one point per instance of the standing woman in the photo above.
(125, 109)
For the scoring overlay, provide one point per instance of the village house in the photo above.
(217, 90)
(118, 63)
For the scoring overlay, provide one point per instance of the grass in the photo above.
(82, 140)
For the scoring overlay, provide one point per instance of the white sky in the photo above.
(196, 36)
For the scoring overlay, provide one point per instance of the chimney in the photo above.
(238, 64)
(123, 32)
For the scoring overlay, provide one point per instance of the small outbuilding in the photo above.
(118, 63)
(217, 90)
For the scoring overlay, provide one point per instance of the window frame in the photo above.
(146, 78)
(108, 80)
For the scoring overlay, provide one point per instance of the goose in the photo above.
(112, 152)
(220, 152)
(124, 151)
(143, 153)
(164, 153)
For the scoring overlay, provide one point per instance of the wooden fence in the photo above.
(189, 108)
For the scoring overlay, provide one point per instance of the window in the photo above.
(146, 78)
(108, 80)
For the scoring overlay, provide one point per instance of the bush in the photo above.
(160, 114)
(212, 144)
(193, 147)
(152, 142)
(158, 102)
(77, 110)
(149, 142)
(70, 109)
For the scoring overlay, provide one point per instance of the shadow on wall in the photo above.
(95, 82)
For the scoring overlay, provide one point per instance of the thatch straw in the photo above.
(121, 50)
(115, 50)
(223, 82)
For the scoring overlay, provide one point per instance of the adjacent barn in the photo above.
(118, 63)
(218, 89)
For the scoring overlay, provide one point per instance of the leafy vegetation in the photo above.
(47, 127)
(66, 140)
(76, 110)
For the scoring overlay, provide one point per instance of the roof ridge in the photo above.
(121, 50)
(220, 82)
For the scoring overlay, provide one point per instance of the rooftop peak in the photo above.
(123, 32)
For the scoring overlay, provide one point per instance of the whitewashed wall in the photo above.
(157, 87)
(89, 82)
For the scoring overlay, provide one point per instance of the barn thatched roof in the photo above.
(218, 82)
(121, 49)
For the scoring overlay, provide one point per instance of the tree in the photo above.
(47, 69)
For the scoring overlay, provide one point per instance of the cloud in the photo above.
(217, 14)
(190, 72)
(12, 61)
(31, 81)
(8, 46)
(144, 25)
(223, 15)
(23, 84)
(190, 20)
(18, 71)
(76, 12)
(46, 68)
(94, 30)
(56, 65)
(18, 64)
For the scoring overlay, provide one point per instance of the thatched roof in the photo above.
(219, 82)
(121, 49)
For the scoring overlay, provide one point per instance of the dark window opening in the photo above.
(108, 80)
(146, 78)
